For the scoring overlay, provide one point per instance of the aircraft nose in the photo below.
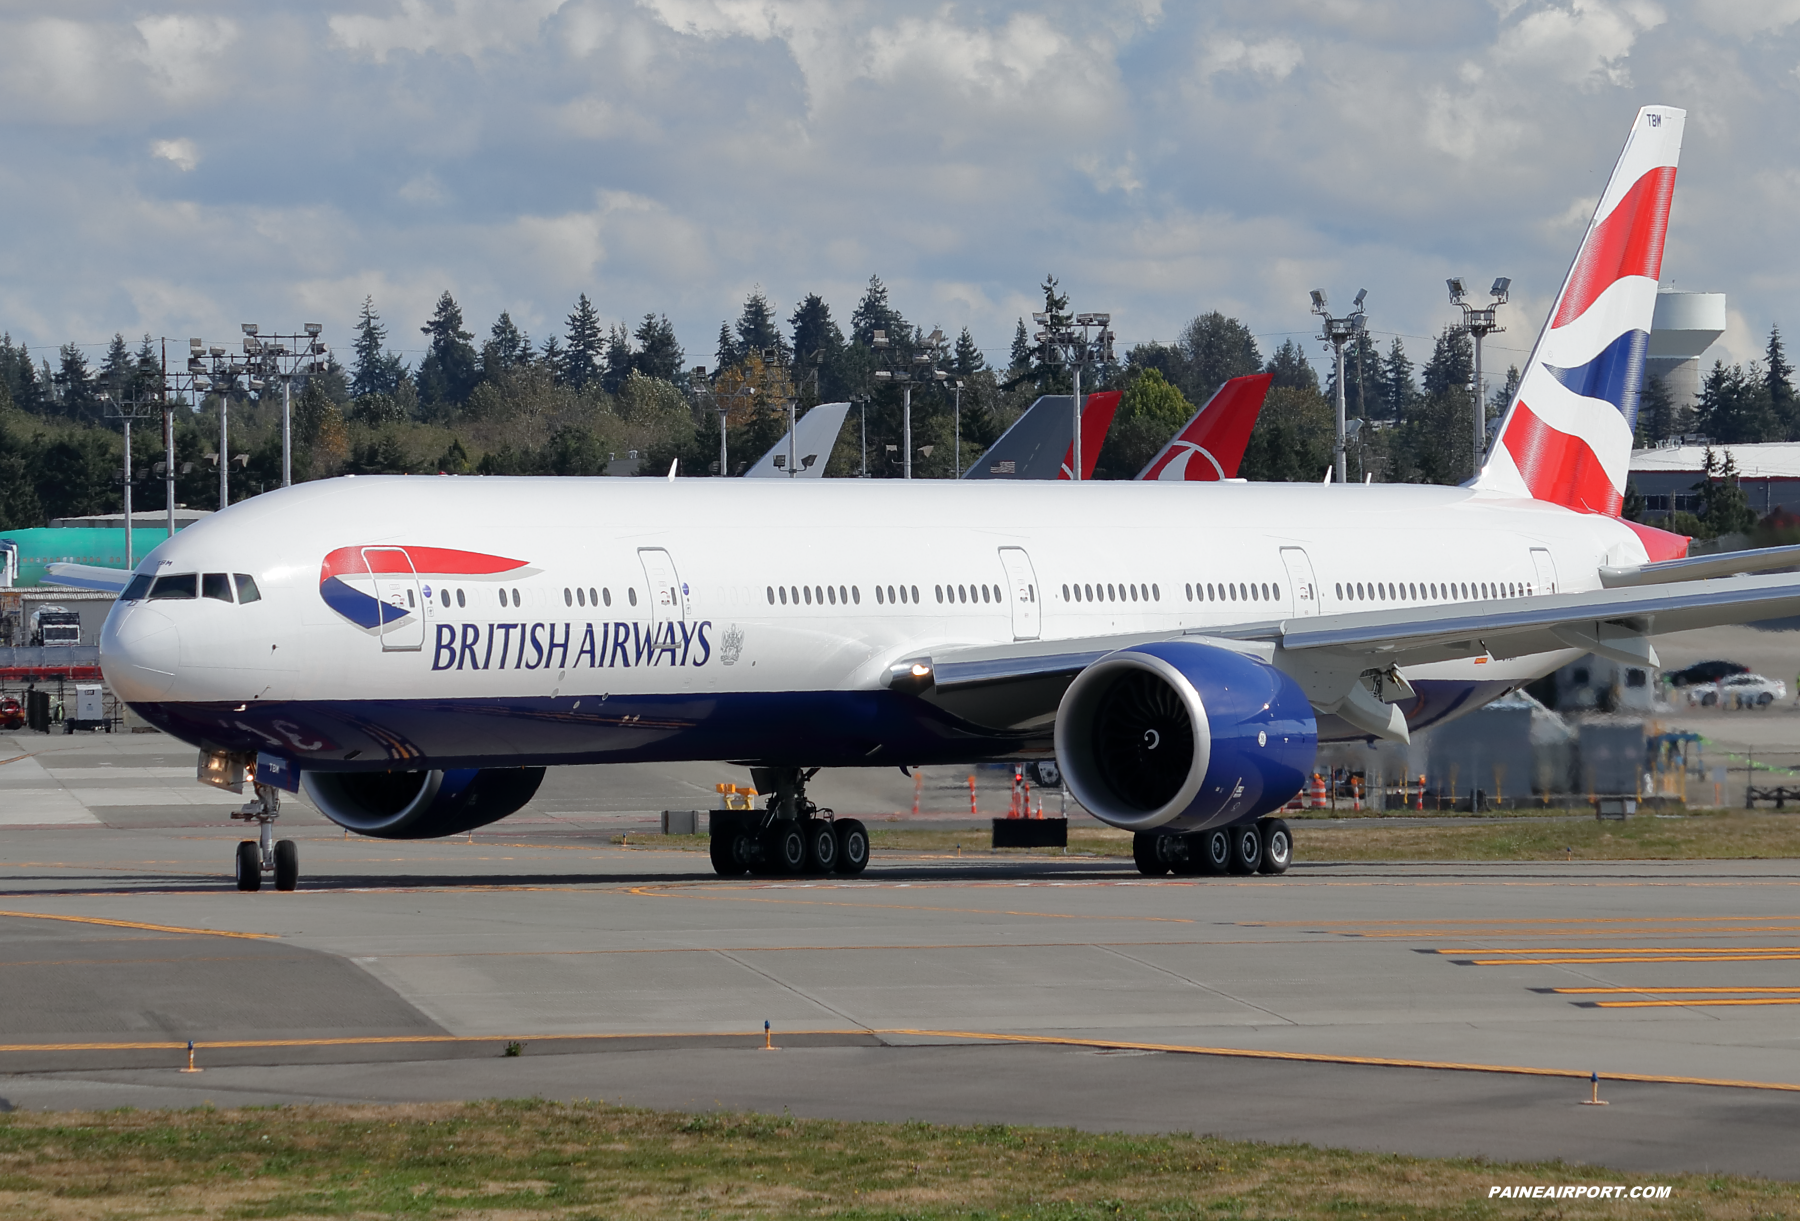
(139, 651)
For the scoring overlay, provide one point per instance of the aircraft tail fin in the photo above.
(1096, 421)
(1211, 445)
(1566, 436)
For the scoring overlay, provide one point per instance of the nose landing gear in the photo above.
(266, 854)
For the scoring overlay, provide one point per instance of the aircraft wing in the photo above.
(814, 436)
(1354, 664)
(1210, 446)
(88, 576)
(1701, 567)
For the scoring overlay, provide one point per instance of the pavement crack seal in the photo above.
(730, 957)
(1194, 983)
(683, 892)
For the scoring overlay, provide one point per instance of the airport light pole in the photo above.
(125, 410)
(957, 388)
(1085, 340)
(1337, 332)
(910, 367)
(1478, 323)
(286, 357)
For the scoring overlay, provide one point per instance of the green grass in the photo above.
(591, 1160)
(1531, 835)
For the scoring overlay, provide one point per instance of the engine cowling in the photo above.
(1183, 736)
(421, 805)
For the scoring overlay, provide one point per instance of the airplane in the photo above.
(807, 445)
(1216, 435)
(413, 653)
(1040, 443)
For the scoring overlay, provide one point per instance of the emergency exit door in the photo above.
(1021, 583)
(668, 596)
(397, 589)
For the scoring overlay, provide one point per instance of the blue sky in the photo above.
(183, 168)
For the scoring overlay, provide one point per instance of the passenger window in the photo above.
(631, 595)
(140, 585)
(784, 597)
(856, 595)
(771, 591)
(179, 585)
(459, 598)
(1155, 592)
(1278, 592)
(606, 597)
(891, 597)
(592, 600)
(568, 596)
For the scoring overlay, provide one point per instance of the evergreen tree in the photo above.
(1779, 388)
(376, 370)
(550, 358)
(507, 348)
(1397, 381)
(1019, 358)
(448, 372)
(19, 377)
(1452, 363)
(146, 370)
(874, 313)
(966, 359)
(585, 346)
(1292, 369)
(1656, 414)
(659, 354)
(1501, 399)
(727, 354)
(815, 332)
(618, 358)
(116, 370)
(1734, 406)
(74, 383)
(1725, 509)
(757, 330)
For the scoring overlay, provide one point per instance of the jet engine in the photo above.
(421, 805)
(1183, 736)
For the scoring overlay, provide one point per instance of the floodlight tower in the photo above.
(909, 368)
(1479, 323)
(1337, 332)
(1087, 341)
(125, 410)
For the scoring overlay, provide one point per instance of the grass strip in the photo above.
(590, 1160)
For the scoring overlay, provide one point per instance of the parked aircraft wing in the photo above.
(1210, 446)
(87, 576)
(1701, 567)
(814, 436)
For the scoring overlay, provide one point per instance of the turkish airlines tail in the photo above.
(1211, 445)
(1566, 437)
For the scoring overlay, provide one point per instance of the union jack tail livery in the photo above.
(1566, 437)
(1212, 444)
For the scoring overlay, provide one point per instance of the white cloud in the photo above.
(181, 153)
(1274, 58)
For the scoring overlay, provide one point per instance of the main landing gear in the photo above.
(1263, 846)
(792, 836)
(266, 854)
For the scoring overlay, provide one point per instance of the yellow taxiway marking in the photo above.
(1632, 949)
(151, 928)
(1401, 927)
(1748, 1000)
(1243, 1053)
(1659, 991)
(1557, 962)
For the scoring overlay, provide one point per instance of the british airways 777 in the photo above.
(413, 652)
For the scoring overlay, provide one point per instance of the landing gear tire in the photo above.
(1277, 846)
(821, 846)
(1148, 851)
(1214, 851)
(785, 848)
(287, 864)
(1246, 849)
(249, 865)
(729, 855)
(853, 846)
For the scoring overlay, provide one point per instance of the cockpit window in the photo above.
(247, 591)
(176, 585)
(216, 585)
(140, 585)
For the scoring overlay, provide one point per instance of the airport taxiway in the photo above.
(995, 988)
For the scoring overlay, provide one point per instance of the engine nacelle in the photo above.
(421, 805)
(1183, 736)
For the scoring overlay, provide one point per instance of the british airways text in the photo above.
(542, 646)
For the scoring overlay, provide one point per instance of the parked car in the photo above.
(12, 713)
(1738, 691)
(1704, 672)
